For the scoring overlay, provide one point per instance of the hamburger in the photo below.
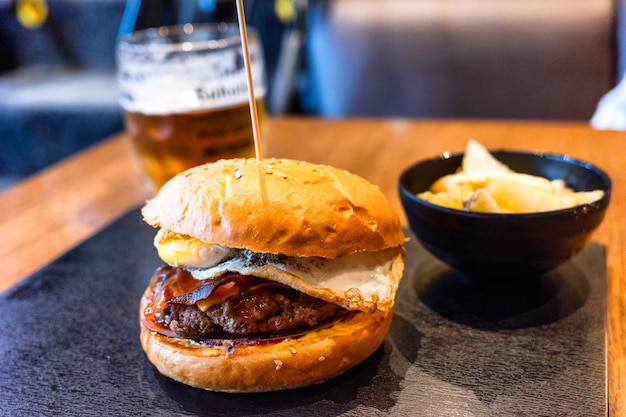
(277, 274)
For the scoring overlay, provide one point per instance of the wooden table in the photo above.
(53, 211)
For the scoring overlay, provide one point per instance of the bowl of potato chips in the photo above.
(504, 212)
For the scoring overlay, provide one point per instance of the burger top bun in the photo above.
(277, 206)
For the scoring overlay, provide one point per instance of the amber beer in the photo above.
(170, 143)
(185, 96)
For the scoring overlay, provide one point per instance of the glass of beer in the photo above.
(184, 93)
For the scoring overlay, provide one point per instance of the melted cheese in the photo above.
(220, 295)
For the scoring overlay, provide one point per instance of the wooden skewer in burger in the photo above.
(279, 273)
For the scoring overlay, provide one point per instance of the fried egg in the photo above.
(362, 281)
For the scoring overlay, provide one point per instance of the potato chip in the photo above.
(482, 202)
(478, 158)
(519, 197)
(442, 199)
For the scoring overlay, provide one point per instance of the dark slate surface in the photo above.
(69, 344)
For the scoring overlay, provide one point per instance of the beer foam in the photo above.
(166, 84)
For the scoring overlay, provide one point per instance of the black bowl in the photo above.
(483, 244)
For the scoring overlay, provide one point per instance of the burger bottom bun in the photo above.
(313, 358)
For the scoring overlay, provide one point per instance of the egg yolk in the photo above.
(181, 250)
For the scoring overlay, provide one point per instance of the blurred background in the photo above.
(487, 59)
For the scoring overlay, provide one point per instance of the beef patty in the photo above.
(266, 310)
